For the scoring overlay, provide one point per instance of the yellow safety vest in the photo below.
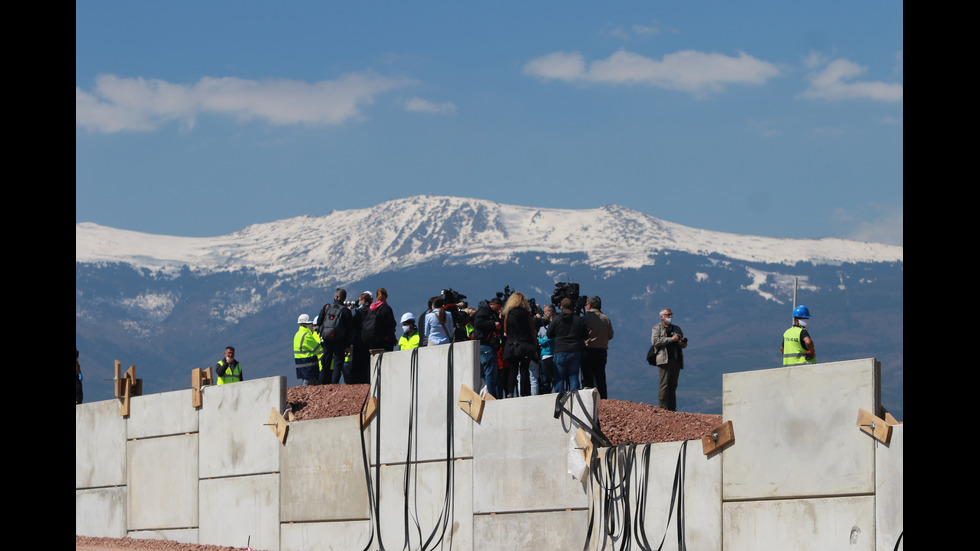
(794, 351)
(305, 348)
(410, 342)
(233, 375)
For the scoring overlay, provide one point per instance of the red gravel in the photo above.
(621, 421)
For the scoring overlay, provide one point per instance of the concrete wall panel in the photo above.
(241, 510)
(429, 421)
(100, 445)
(234, 437)
(795, 432)
(520, 458)
(327, 536)
(427, 504)
(889, 492)
(163, 482)
(800, 524)
(701, 486)
(145, 419)
(101, 513)
(322, 473)
(530, 530)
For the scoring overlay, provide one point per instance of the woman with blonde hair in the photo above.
(521, 346)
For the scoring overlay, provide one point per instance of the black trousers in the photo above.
(594, 370)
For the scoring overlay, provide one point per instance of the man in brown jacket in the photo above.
(596, 346)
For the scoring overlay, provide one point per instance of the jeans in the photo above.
(567, 365)
(488, 367)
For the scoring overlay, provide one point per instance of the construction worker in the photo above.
(797, 345)
(228, 369)
(410, 334)
(306, 350)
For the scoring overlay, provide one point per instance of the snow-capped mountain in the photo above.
(168, 304)
(403, 233)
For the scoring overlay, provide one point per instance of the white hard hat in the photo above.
(407, 316)
(303, 318)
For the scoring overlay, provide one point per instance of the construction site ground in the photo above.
(621, 421)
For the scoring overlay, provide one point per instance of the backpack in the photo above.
(331, 328)
(368, 322)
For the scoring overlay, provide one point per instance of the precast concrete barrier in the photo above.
(423, 474)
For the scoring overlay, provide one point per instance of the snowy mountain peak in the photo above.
(352, 244)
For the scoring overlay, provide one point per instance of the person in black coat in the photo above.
(569, 332)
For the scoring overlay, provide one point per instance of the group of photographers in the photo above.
(524, 350)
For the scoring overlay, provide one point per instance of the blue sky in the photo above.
(768, 118)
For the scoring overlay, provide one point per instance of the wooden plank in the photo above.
(197, 397)
(278, 425)
(124, 401)
(369, 410)
(470, 402)
(584, 442)
(718, 438)
(874, 426)
(117, 380)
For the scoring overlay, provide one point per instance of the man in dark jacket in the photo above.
(486, 329)
(336, 335)
(569, 333)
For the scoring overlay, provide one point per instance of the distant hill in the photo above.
(168, 304)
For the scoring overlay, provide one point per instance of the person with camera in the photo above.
(569, 333)
(670, 343)
(487, 329)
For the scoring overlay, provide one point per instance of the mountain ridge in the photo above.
(401, 233)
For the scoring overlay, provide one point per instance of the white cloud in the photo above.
(835, 82)
(420, 105)
(686, 70)
(138, 104)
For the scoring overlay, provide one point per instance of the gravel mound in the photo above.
(621, 421)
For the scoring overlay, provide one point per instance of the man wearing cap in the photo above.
(797, 345)
(306, 348)
(410, 334)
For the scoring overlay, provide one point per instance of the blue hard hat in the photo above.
(801, 312)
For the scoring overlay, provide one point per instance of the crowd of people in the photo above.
(524, 350)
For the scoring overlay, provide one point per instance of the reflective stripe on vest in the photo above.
(305, 348)
(794, 351)
(232, 375)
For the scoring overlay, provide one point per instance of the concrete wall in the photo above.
(800, 474)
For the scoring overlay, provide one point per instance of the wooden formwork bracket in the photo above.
(471, 402)
(368, 411)
(878, 428)
(200, 378)
(279, 425)
(718, 438)
(126, 386)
